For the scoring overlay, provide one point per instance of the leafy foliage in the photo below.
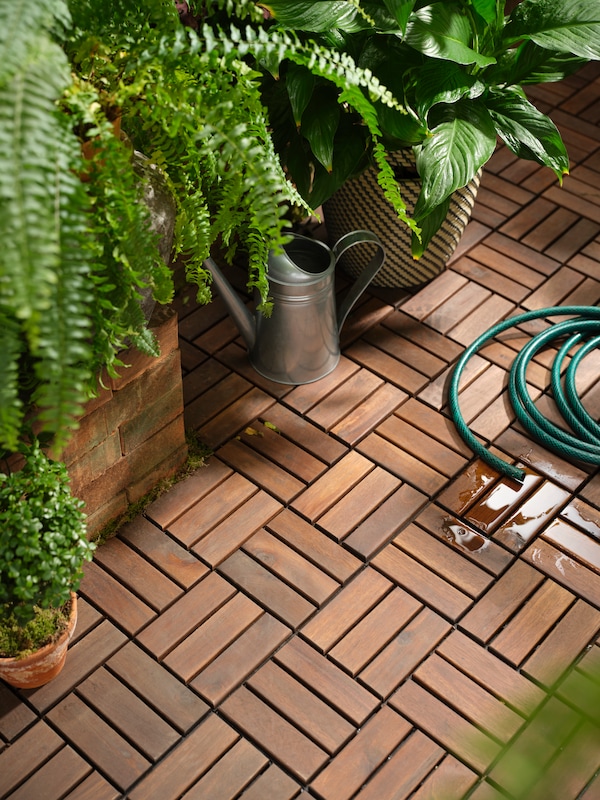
(43, 541)
(454, 70)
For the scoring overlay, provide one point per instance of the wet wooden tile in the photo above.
(564, 570)
(532, 516)
(580, 545)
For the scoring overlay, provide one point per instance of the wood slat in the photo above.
(261, 470)
(325, 492)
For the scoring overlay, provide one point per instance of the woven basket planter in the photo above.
(360, 204)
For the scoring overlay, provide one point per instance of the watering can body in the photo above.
(299, 342)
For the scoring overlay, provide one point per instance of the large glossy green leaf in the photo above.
(443, 82)
(463, 140)
(442, 31)
(400, 10)
(488, 9)
(568, 26)
(320, 123)
(300, 84)
(531, 64)
(527, 132)
(315, 17)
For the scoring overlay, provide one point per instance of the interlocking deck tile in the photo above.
(58, 775)
(231, 774)
(92, 787)
(518, 530)
(349, 770)
(210, 638)
(302, 707)
(432, 295)
(26, 755)
(430, 715)
(466, 489)
(467, 697)
(326, 491)
(480, 271)
(327, 680)
(344, 399)
(234, 417)
(187, 762)
(211, 403)
(402, 655)
(284, 742)
(108, 594)
(359, 503)
(168, 556)
(304, 397)
(137, 573)
(116, 758)
(273, 782)
(128, 714)
(261, 470)
(158, 688)
(365, 417)
(405, 770)
(267, 589)
(239, 526)
(384, 521)
(235, 356)
(190, 611)
(493, 505)
(504, 598)
(578, 544)
(15, 716)
(433, 453)
(404, 464)
(450, 779)
(491, 672)
(426, 585)
(315, 546)
(241, 657)
(455, 309)
(420, 356)
(343, 612)
(83, 658)
(187, 493)
(372, 355)
(290, 566)
(374, 631)
(564, 570)
(532, 622)
(290, 455)
(424, 418)
(583, 515)
(564, 643)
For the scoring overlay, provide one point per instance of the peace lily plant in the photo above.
(457, 71)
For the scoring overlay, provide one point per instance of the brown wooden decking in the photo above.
(345, 603)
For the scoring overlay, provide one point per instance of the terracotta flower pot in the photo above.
(43, 665)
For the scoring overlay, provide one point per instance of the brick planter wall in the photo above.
(132, 435)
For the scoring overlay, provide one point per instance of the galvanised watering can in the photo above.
(299, 343)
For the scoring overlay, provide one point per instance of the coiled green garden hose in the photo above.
(583, 443)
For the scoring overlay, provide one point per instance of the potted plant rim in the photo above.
(457, 72)
(43, 547)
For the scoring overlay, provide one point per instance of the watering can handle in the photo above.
(366, 276)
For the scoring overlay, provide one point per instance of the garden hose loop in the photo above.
(582, 443)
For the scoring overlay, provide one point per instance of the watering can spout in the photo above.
(241, 316)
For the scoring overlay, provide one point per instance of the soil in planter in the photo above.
(17, 640)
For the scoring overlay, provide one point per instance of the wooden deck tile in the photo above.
(433, 453)
(424, 418)
(503, 499)
(313, 545)
(261, 470)
(179, 564)
(239, 526)
(426, 585)
(26, 755)
(365, 417)
(537, 511)
(92, 787)
(404, 464)
(326, 491)
(402, 655)
(349, 770)
(273, 782)
(302, 707)
(104, 591)
(302, 757)
(159, 688)
(15, 717)
(231, 773)
(373, 356)
(303, 398)
(451, 779)
(290, 566)
(382, 523)
(343, 612)
(121, 561)
(580, 545)
(101, 744)
(327, 680)
(234, 417)
(424, 302)
(452, 311)
(186, 763)
(504, 598)
(344, 399)
(231, 667)
(441, 723)
(359, 503)
(267, 589)
(64, 771)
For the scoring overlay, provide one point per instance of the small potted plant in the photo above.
(43, 546)
(457, 70)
